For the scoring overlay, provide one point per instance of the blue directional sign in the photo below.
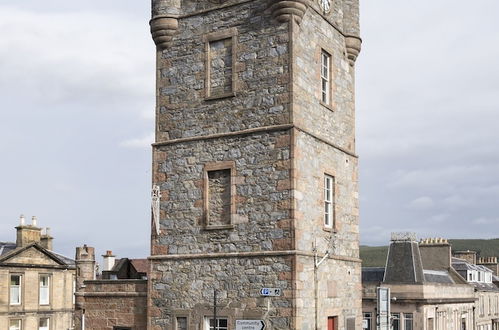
(270, 292)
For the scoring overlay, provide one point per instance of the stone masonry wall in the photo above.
(186, 287)
(334, 123)
(110, 303)
(262, 175)
(261, 65)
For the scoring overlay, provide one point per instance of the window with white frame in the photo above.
(368, 318)
(44, 290)
(395, 321)
(15, 324)
(44, 323)
(15, 289)
(221, 324)
(408, 325)
(328, 201)
(325, 77)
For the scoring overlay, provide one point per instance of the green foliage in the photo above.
(375, 256)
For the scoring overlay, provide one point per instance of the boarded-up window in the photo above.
(220, 63)
(219, 197)
(350, 323)
(221, 67)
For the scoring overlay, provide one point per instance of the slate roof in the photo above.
(141, 265)
(404, 263)
(373, 274)
(10, 250)
(437, 276)
(6, 247)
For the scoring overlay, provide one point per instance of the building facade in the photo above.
(254, 165)
(116, 299)
(36, 284)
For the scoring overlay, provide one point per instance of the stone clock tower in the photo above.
(254, 165)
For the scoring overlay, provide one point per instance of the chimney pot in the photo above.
(22, 220)
(34, 221)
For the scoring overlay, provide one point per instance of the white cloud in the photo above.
(142, 142)
(75, 56)
(421, 203)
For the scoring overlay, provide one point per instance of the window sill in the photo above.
(327, 106)
(220, 96)
(220, 227)
(330, 230)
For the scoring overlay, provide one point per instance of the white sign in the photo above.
(270, 292)
(383, 295)
(365, 324)
(250, 325)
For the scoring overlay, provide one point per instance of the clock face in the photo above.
(325, 5)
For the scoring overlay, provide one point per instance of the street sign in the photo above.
(383, 298)
(250, 325)
(270, 292)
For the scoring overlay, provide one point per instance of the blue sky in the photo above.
(77, 105)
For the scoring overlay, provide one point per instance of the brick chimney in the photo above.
(109, 260)
(27, 234)
(435, 253)
(469, 256)
(491, 263)
(46, 240)
(85, 265)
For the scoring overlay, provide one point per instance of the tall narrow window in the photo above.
(181, 323)
(44, 290)
(408, 321)
(44, 323)
(328, 201)
(395, 321)
(15, 324)
(220, 63)
(325, 77)
(368, 319)
(15, 289)
(220, 324)
(218, 195)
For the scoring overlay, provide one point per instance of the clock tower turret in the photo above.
(254, 165)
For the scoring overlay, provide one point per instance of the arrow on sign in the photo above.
(250, 325)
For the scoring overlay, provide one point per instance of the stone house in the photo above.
(426, 292)
(432, 290)
(480, 274)
(255, 215)
(36, 283)
(115, 299)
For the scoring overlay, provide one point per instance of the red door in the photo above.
(332, 323)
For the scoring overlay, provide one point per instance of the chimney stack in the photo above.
(491, 263)
(46, 240)
(109, 260)
(27, 234)
(435, 253)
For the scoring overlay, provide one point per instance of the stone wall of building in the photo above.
(261, 72)
(185, 288)
(114, 303)
(239, 92)
(60, 308)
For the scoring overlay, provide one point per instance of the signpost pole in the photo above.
(215, 309)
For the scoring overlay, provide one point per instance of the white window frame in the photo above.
(19, 325)
(408, 317)
(47, 327)
(329, 201)
(218, 327)
(44, 289)
(325, 77)
(15, 288)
